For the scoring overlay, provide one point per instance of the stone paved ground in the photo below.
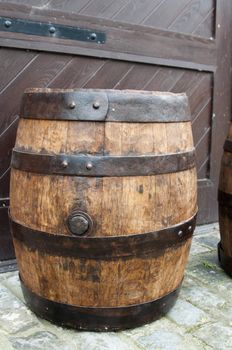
(201, 318)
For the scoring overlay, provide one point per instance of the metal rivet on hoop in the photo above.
(72, 105)
(89, 166)
(52, 30)
(96, 105)
(64, 163)
(93, 36)
(180, 233)
(7, 23)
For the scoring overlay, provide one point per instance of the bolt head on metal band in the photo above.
(96, 105)
(52, 30)
(89, 166)
(72, 105)
(180, 233)
(7, 24)
(93, 36)
(64, 164)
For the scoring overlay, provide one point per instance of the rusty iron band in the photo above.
(88, 165)
(224, 260)
(228, 145)
(99, 318)
(105, 105)
(104, 248)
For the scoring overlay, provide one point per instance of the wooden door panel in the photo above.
(181, 16)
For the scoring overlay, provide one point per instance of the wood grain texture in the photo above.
(172, 48)
(184, 16)
(133, 206)
(221, 92)
(118, 206)
(74, 72)
(98, 283)
(12, 63)
(210, 98)
(225, 185)
(137, 204)
(39, 73)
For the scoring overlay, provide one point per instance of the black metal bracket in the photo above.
(53, 30)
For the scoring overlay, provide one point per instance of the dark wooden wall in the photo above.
(178, 46)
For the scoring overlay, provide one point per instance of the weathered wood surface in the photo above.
(203, 22)
(135, 204)
(225, 186)
(95, 283)
(118, 206)
(173, 48)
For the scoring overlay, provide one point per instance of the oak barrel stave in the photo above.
(225, 206)
(125, 205)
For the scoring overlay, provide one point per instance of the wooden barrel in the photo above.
(103, 204)
(225, 207)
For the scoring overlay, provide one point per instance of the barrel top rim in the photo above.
(132, 91)
(112, 105)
